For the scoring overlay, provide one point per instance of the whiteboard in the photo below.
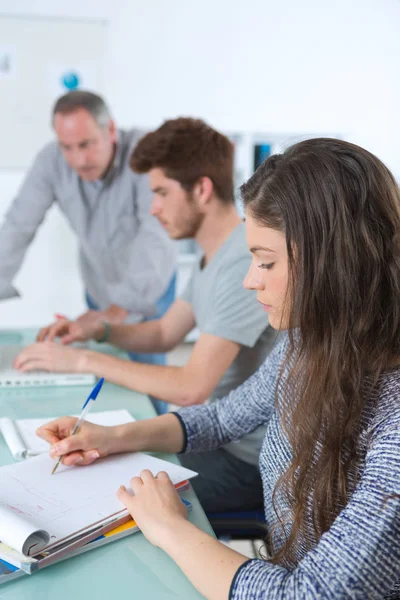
(40, 59)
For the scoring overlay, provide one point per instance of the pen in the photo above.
(85, 409)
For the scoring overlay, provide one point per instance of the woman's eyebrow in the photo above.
(257, 248)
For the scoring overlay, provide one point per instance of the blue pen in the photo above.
(85, 409)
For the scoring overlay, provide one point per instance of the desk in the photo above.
(130, 567)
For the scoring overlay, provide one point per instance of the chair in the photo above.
(239, 525)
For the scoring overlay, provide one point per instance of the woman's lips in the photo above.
(265, 306)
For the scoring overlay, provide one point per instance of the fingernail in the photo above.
(93, 454)
(79, 460)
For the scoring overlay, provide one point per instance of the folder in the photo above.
(41, 513)
(9, 572)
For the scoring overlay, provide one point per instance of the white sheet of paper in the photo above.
(75, 497)
(22, 440)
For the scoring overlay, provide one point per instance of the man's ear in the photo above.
(112, 130)
(203, 190)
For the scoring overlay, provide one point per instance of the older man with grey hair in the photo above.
(127, 260)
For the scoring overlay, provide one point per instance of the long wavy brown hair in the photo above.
(339, 207)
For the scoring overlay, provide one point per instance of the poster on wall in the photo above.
(7, 61)
(67, 78)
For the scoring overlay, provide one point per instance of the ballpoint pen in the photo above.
(85, 409)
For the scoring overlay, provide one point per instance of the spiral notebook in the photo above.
(9, 571)
(40, 512)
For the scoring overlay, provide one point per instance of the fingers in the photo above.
(124, 496)
(32, 357)
(80, 459)
(163, 475)
(55, 431)
(146, 476)
(79, 449)
(136, 484)
(49, 436)
(52, 331)
(77, 442)
(48, 356)
(69, 338)
(146, 480)
(33, 365)
(43, 333)
(58, 329)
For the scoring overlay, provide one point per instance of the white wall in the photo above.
(258, 65)
(262, 65)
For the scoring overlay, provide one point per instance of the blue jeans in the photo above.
(162, 306)
(225, 483)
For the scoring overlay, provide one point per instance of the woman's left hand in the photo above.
(49, 356)
(155, 506)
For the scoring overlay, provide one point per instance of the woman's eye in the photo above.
(266, 266)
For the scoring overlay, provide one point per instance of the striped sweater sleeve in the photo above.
(240, 412)
(359, 557)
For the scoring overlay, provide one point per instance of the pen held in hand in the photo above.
(85, 409)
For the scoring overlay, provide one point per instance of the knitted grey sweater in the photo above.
(359, 557)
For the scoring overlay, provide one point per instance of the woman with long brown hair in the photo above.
(323, 226)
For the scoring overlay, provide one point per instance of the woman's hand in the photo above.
(49, 356)
(91, 442)
(155, 506)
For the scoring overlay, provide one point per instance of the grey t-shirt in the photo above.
(222, 307)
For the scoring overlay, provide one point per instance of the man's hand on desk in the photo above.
(89, 326)
(71, 331)
(49, 356)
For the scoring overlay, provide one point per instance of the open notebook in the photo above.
(22, 441)
(40, 512)
(20, 565)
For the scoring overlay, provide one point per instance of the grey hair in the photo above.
(93, 103)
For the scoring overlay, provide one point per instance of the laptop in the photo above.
(10, 377)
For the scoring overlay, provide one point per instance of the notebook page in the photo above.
(22, 534)
(35, 445)
(75, 497)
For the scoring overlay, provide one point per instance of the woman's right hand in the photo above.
(91, 442)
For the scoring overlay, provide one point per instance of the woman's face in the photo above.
(268, 272)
